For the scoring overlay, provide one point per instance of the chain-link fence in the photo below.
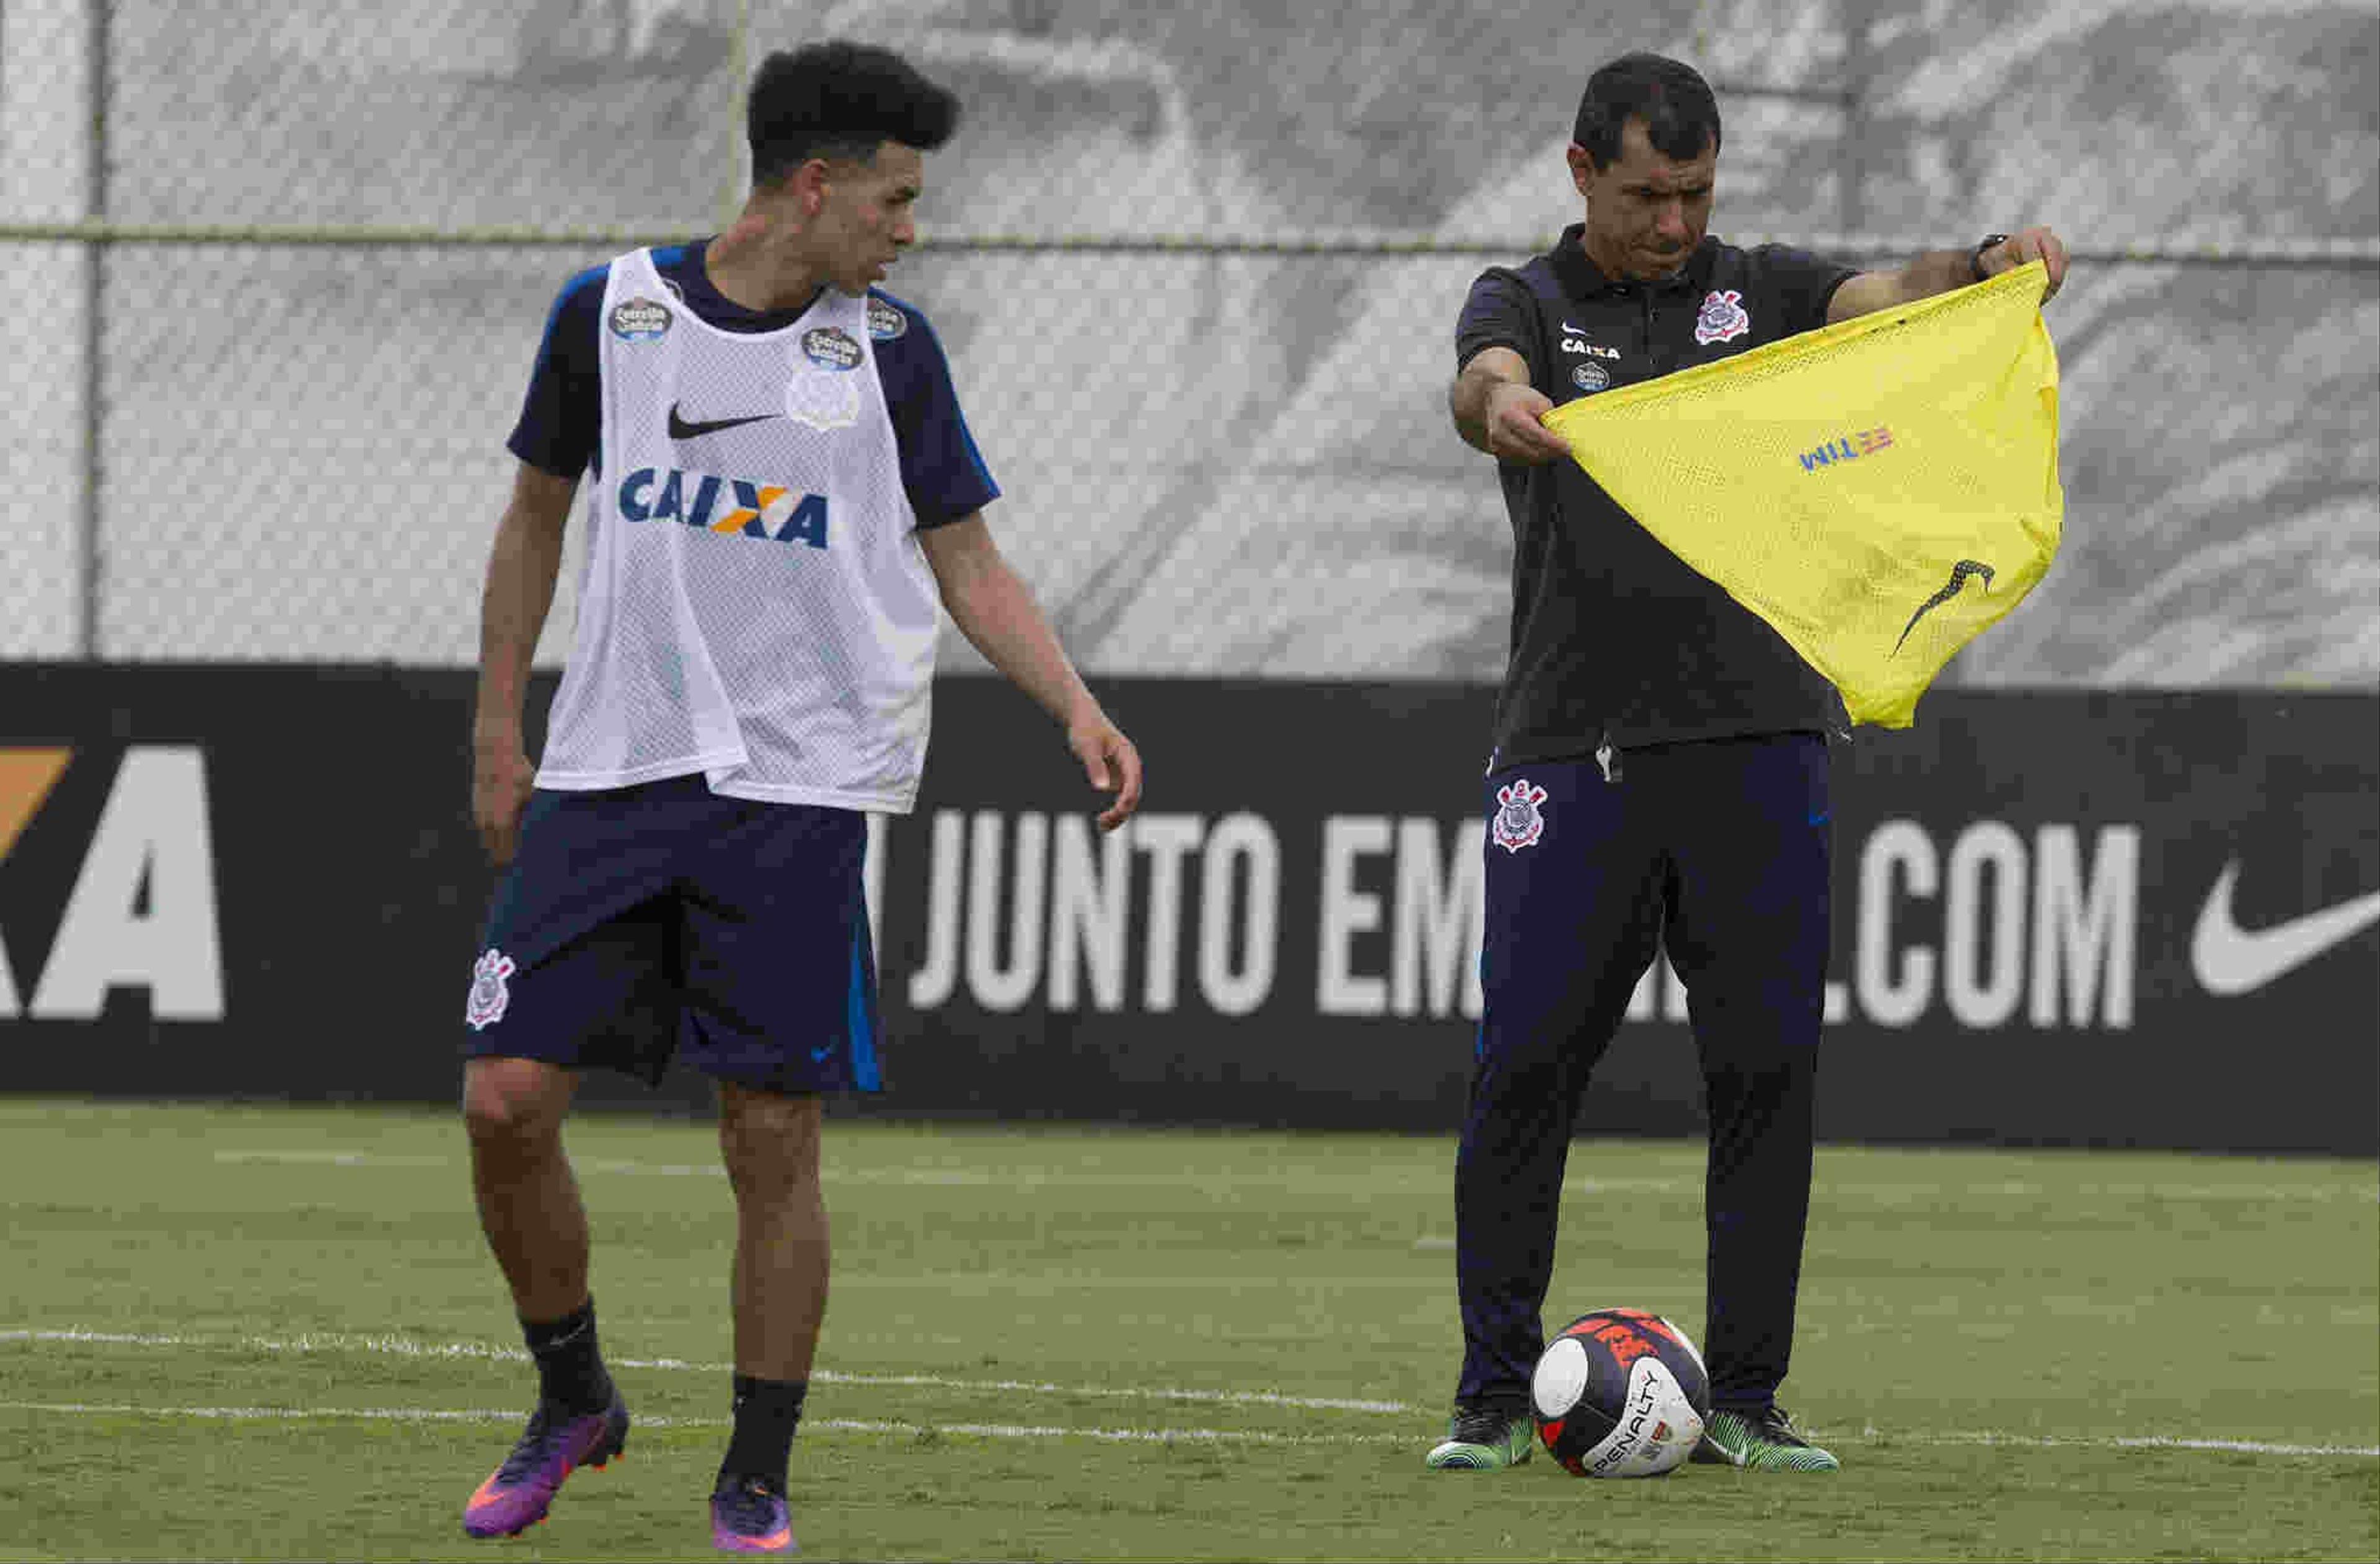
(276, 276)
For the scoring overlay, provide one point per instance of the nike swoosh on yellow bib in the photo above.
(1880, 492)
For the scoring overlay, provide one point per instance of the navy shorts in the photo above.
(639, 924)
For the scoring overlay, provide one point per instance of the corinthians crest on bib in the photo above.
(1723, 318)
(1518, 819)
(488, 994)
(822, 396)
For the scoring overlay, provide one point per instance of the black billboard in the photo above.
(2061, 917)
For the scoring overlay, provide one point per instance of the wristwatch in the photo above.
(1976, 256)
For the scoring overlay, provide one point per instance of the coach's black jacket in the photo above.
(1614, 637)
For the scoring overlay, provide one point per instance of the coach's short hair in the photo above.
(841, 100)
(1679, 112)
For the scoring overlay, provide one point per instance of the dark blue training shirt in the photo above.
(1615, 639)
(561, 422)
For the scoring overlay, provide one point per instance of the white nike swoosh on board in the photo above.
(2231, 959)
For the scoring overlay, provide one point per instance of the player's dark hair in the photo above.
(1679, 112)
(841, 100)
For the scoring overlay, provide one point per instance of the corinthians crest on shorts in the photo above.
(488, 994)
(1721, 318)
(1518, 821)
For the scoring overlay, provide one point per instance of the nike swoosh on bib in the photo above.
(680, 429)
(2232, 960)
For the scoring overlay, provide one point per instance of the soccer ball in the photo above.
(1620, 1393)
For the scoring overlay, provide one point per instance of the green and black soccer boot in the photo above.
(1763, 1441)
(1483, 1439)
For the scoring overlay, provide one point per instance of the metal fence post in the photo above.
(95, 45)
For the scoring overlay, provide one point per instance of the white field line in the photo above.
(1897, 1192)
(2140, 1442)
(405, 1347)
(399, 1346)
(834, 1425)
(1050, 1431)
(1016, 1178)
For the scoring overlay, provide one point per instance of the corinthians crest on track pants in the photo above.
(1718, 850)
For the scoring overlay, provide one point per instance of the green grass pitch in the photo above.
(274, 1333)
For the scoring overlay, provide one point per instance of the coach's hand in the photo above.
(501, 779)
(1513, 432)
(2029, 245)
(1111, 761)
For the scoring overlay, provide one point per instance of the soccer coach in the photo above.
(1659, 775)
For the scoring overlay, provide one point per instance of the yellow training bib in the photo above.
(1880, 490)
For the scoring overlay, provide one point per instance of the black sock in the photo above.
(762, 1445)
(569, 1365)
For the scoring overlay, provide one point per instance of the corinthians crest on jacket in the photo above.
(1721, 318)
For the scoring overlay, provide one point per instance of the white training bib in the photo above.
(755, 604)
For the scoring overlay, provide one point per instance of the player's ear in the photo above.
(808, 185)
(1582, 167)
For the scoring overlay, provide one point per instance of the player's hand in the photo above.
(1513, 432)
(501, 779)
(2021, 248)
(1111, 763)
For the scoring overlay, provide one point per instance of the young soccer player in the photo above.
(782, 490)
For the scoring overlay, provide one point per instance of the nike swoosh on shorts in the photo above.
(2232, 960)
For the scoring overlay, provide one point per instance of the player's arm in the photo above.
(1496, 409)
(992, 608)
(522, 569)
(1939, 271)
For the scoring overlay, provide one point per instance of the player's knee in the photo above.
(769, 1141)
(513, 1102)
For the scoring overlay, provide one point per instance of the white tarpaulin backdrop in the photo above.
(233, 449)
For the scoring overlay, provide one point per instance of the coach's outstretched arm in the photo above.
(992, 608)
(522, 569)
(1940, 270)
